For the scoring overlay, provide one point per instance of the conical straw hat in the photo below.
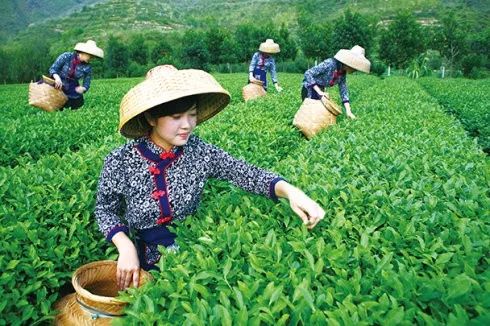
(354, 58)
(91, 48)
(269, 47)
(167, 84)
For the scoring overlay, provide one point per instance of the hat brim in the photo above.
(211, 98)
(269, 49)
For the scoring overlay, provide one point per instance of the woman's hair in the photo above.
(180, 105)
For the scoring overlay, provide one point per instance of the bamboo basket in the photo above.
(44, 96)
(94, 302)
(315, 115)
(253, 90)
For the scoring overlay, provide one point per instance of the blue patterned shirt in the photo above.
(267, 64)
(62, 67)
(326, 74)
(129, 194)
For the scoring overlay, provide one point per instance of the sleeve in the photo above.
(344, 92)
(58, 64)
(253, 63)
(242, 174)
(273, 71)
(109, 201)
(87, 79)
(310, 75)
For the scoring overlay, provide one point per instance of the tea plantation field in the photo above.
(405, 188)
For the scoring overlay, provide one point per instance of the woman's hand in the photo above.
(80, 89)
(348, 111)
(128, 265)
(350, 115)
(307, 209)
(57, 81)
(320, 92)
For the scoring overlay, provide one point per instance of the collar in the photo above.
(153, 152)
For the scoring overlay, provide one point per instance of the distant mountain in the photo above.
(16, 15)
(81, 19)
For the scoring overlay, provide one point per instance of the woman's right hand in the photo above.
(57, 81)
(128, 264)
(320, 92)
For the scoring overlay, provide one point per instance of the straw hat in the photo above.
(91, 48)
(163, 69)
(165, 84)
(94, 302)
(269, 47)
(354, 58)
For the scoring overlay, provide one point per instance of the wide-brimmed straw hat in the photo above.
(354, 58)
(164, 84)
(91, 48)
(269, 47)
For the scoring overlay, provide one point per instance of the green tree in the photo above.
(402, 41)
(287, 44)
(314, 37)
(315, 41)
(451, 39)
(138, 51)
(117, 58)
(248, 38)
(195, 53)
(352, 29)
(161, 51)
(5, 60)
(215, 42)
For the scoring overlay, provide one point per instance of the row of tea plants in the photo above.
(405, 238)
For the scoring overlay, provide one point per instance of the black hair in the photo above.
(180, 105)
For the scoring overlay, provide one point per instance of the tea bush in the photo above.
(405, 238)
(468, 100)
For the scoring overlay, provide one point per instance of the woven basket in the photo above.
(96, 290)
(313, 117)
(252, 91)
(46, 97)
(74, 314)
(331, 106)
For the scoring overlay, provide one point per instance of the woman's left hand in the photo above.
(80, 89)
(306, 208)
(350, 115)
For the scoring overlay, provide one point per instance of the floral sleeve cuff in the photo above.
(272, 191)
(118, 228)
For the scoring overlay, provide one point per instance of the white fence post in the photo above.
(389, 70)
(442, 71)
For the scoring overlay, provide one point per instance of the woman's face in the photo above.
(84, 57)
(173, 130)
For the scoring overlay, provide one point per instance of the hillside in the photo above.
(120, 16)
(16, 15)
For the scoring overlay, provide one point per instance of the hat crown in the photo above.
(162, 70)
(358, 50)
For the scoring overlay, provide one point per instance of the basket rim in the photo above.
(85, 294)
